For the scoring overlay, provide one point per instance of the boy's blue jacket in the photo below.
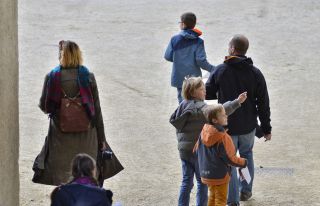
(80, 195)
(216, 154)
(186, 51)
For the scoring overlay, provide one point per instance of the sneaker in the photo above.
(244, 196)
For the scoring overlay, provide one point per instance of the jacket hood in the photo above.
(191, 33)
(211, 134)
(179, 117)
(239, 61)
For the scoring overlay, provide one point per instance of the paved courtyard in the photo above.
(123, 44)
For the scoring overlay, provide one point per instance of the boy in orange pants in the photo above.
(216, 153)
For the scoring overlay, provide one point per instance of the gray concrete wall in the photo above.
(9, 118)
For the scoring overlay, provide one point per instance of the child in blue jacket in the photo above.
(216, 153)
(186, 52)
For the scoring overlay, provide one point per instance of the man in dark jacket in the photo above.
(236, 75)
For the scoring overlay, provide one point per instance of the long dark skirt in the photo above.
(53, 165)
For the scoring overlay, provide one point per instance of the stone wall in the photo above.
(9, 113)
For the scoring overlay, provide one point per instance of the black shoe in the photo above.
(233, 204)
(244, 196)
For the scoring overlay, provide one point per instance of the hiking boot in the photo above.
(244, 196)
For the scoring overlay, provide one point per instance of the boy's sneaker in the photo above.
(244, 196)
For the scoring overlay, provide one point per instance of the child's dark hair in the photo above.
(82, 165)
(189, 19)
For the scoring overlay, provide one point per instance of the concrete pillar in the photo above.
(9, 118)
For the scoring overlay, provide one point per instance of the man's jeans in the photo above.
(189, 169)
(179, 96)
(243, 143)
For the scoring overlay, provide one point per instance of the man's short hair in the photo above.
(240, 44)
(189, 19)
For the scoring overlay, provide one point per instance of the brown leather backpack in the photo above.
(73, 115)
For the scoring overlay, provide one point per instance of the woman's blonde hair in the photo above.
(190, 84)
(70, 54)
(212, 111)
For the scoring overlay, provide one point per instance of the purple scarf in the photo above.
(53, 98)
(84, 181)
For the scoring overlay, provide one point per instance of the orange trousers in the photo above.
(218, 195)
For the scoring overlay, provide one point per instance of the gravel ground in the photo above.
(123, 44)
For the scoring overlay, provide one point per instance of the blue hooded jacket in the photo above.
(186, 51)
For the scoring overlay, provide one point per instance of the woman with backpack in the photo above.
(70, 98)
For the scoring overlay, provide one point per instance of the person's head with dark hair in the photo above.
(83, 170)
(238, 45)
(188, 20)
(83, 165)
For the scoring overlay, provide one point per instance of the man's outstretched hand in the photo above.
(267, 137)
